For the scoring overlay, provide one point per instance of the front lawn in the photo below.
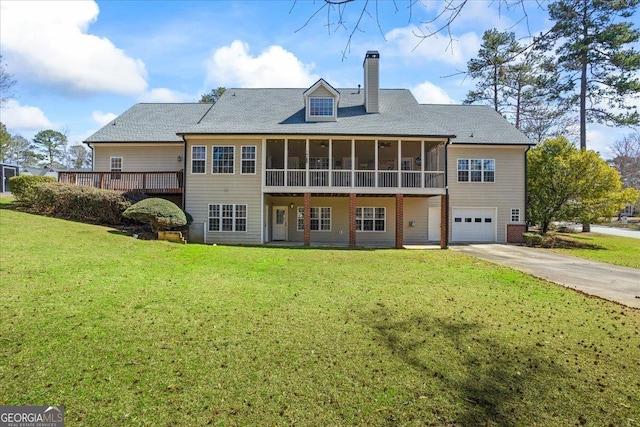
(624, 251)
(127, 332)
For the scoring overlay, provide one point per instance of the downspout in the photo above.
(526, 189)
(93, 157)
(446, 189)
(184, 173)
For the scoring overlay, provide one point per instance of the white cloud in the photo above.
(405, 42)
(16, 116)
(48, 41)
(428, 93)
(165, 95)
(102, 118)
(233, 65)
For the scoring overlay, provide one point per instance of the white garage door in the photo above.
(473, 225)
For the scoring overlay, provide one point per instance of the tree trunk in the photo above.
(586, 228)
(583, 80)
(495, 87)
(544, 227)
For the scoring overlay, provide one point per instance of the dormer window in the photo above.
(322, 107)
(321, 102)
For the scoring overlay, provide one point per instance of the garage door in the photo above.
(473, 225)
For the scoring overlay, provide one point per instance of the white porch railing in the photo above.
(341, 179)
(357, 178)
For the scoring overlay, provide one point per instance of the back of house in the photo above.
(323, 165)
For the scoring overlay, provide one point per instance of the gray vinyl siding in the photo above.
(139, 157)
(321, 91)
(339, 233)
(204, 189)
(416, 209)
(508, 190)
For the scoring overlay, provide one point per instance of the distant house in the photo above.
(629, 210)
(7, 171)
(46, 171)
(337, 166)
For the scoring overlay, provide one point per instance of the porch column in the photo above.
(444, 221)
(399, 221)
(307, 219)
(352, 220)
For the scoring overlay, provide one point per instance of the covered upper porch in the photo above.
(412, 166)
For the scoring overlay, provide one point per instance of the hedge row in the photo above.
(23, 187)
(71, 201)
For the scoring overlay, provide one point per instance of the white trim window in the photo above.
(476, 170)
(320, 219)
(115, 166)
(515, 215)
(223, 159)
(321, 106)
(248, 154)
(227, 217)
(371, 219)
(198, 159)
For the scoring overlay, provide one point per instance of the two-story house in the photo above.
(354, 166)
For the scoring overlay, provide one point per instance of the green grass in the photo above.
(143, 333)
(624, 251)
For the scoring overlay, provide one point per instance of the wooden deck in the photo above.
(146, 182)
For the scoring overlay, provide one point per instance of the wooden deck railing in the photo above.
(146, 182)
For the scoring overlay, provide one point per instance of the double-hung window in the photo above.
(322, 107)
(115, 165)
(223, 159)
(320, 219)
(198, 159)
(515, 215)
(371, 219)
(227, 217)
(476, 170)
(248, 159)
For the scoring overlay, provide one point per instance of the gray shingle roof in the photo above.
(150, 123)
(281, 112)
(475, 124)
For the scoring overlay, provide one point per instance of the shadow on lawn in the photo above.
(490, 377)
(570, 241)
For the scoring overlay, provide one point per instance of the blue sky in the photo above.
(79, 64)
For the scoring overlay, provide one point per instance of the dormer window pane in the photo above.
(321, 107)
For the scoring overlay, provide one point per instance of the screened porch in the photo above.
(355, 163)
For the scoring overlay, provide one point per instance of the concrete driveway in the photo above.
(619, 284)
(616, 231)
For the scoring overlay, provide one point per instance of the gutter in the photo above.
(311, 134)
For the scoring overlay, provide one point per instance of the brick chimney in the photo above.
(371, 81)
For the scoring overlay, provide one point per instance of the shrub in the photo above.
(161, 214)
(134, 196)
(80, 203)
(189, 217)
(23, 187)
(532, 239)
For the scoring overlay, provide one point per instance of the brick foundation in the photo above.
(352, 220)
(399, 221)
(444, 221)
(514, 233)
(307, 220)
